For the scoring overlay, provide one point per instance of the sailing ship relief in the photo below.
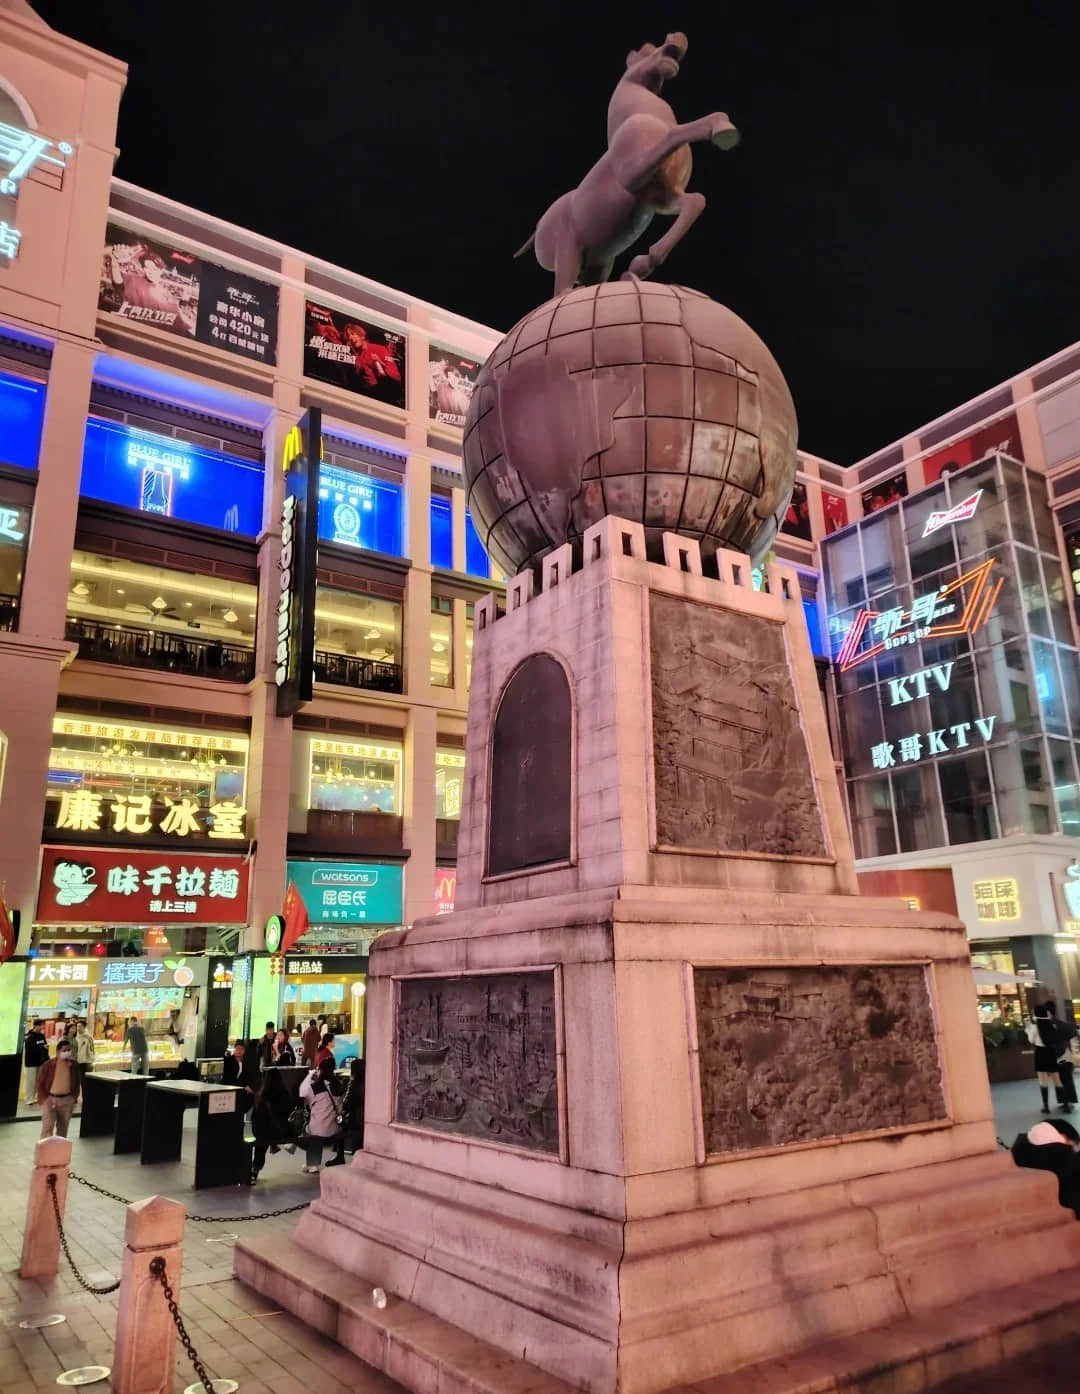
(477, 1058)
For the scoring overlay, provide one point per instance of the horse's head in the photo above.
(651, 66)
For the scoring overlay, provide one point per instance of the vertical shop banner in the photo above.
(451, 383)
(295, 653)
(162, 286)
(835, 509)
(884, 492)
(1003, 437)
(797, 518)
(124, 886)
(445, 889)
(353, 354)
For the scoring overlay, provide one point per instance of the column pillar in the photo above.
(457, 500)
(419, 829)
(416, 635)
(43, 602)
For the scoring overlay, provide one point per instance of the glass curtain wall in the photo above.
(957, 676)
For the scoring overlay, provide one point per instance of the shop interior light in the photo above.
(230, 616)
(81, 589)
(159, 603)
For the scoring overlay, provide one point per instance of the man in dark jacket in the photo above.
(264, 1051)
(240, 1068)
(35, 1053)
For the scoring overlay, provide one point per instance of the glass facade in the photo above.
(354, 776)
(357, 510)
(22, 411)
(449, 782)
(441, 641)
(957, 675)
(14, 530)
(357, 640)
(442, 533)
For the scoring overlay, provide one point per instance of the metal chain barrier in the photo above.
(199, 1219)
(157, 1268)
(50, 1181)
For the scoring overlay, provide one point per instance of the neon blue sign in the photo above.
(356, 510)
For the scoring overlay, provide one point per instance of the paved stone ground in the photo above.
(235, 1331)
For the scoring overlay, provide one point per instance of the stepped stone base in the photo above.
(431, 1356)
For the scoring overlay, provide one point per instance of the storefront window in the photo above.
(470, 611)
(171, 478)
(1031, 590)
(872, 818)
(476, 558)
(14, 531)
(442, 533)
(357, 640)
(842, 566)
(353, 776)
(441, 639)
(1066, 787)
(1057, 600)
(967, 798)
(449, 782)
(357, 510)
(146, 782)
(1021, 787)
(127, 612)
(918, 812)
(22, 410)
(334, 987)
(1016, 497)
(882, 542)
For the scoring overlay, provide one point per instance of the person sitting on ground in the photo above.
(326, 1051)
(1053, 1146)
(270, 1121)
(283, 1051)
(58, 1091)
(319, 1091)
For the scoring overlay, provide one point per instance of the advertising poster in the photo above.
(797, 518)
(451, 383)
(1003, 437)
(353, 354)
(174, 290)
(91, 885)
(884, 492)
(349, 893)
(836, 514)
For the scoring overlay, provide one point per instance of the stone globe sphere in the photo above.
(647, 401)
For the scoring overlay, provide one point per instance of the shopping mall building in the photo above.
(154, 366)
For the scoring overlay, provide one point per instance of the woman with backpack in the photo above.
(319, 1091)
(1050, 1037)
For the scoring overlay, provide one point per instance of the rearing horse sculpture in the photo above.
(645, 171)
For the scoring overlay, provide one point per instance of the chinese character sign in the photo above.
(450, 386)
(348, 893)
(996, 900)
(355, 355)
(166, 288)
(90, 885)
(79, 809)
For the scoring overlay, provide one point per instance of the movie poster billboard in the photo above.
(884, 492)
(452, 380)
(834, 507)
(797, 518)
(1003, 437)
(167, 288)
(353, 354)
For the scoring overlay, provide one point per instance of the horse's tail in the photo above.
(525, 247)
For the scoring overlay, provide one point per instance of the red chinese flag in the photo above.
(7, 933)
(296, 918)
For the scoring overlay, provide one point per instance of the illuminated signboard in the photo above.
(295, 653)
(961, 607)
(129, 886)
(348, 892)
(997, 899)
(356, 510)
(959, 513)
(13, 524)
(21, 151)
(168, 477)
(120, 972)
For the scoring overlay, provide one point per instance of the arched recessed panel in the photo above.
(530, 814)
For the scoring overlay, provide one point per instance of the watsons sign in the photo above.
(295, 652)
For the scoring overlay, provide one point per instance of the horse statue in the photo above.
(644, 171)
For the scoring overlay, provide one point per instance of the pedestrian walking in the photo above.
(58, 1091)
(270, 1121)
(309, 1044)
(135, 1041)
(352, 1115)
(84, 1052)
(319, 1091)
(35, 1053)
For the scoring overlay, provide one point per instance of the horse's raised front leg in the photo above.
(691, 207)
(635, 170)
(567, 262)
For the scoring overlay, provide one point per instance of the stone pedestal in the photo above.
(664, 1099)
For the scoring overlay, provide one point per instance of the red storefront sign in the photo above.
(445, 889)
(122, 886)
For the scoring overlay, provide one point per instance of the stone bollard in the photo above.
(145, 1346)
(41, 1238)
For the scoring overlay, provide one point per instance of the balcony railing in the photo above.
(345, 671)
(171, 653)
(9, 611)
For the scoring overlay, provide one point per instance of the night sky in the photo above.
(900, 222)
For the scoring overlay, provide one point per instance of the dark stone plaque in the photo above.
(732, 769)
(476, 1057)
(530, 770)
(792, 1054)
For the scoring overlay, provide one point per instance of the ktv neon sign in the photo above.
(959, 513)
(961, 607)
(20, 151)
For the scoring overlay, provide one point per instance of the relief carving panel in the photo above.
(476, 1057)
(793, 1054)
(732, 768)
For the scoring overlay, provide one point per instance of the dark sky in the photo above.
(900, 222)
